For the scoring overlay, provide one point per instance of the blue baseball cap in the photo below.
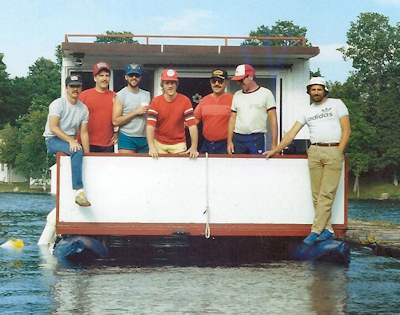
(133, 68)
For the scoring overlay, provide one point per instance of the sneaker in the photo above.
(81, 200)
(325, 235)
(310, 239)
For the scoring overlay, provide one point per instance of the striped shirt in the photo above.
(169, 118)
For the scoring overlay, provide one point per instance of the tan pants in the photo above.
(325, 165)
(170, 148)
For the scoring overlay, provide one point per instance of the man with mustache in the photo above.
(214, 111)
(99, 101)
(166, 119)
(129, 114)
(66, 116)
(329, 125)
(252, 107)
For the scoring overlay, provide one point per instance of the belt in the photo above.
(326, 144)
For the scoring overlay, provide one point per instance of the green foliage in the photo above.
(5, 95)
(280, 29)
(347, 90)
(387, 120)
(360, 150)
(44, 82)
(33, 160)
(31, 97)
(10, 145)
(315, 74)
(44, 78)
(373, 47)
(116, 39)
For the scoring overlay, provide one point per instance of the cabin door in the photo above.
(194, 89)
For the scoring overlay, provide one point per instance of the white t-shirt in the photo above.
(323, 120)
(71, 116)
(251, 109)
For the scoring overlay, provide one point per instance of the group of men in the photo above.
(233, 124)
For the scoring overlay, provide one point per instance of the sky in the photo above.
(30, 29)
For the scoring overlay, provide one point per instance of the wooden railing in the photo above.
(295, 40)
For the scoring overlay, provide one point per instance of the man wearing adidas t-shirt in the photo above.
(329, 125)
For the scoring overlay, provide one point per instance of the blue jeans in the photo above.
(249, 144)
(55, 145)
(214, 147)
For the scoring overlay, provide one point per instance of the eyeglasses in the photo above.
(136, 75)
(215, 80)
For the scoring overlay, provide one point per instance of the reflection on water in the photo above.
(33, 282)
(274, 288)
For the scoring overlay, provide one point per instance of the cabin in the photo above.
(284, 70)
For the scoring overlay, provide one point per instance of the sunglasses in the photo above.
(136, 75)
(215, 80)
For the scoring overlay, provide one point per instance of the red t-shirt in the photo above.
(215, 112)
(169, 118)
(100, 106)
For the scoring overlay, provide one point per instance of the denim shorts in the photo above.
(137, 144)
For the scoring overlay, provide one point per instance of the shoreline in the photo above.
(383, 238)
(8, 188)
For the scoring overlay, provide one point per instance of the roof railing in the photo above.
(295, 40)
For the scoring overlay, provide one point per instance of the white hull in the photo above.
(245, 196)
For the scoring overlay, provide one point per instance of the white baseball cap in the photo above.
(319, 81)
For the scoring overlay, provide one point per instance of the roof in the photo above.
(154, 55)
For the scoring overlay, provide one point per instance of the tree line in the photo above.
(371, 93)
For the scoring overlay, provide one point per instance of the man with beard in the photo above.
(329, 125)
(252, 107)
(99, 101)
(214, 111)
(66, 116)
(168, 114)
(129, 114)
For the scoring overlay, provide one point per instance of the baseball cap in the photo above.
(133, 68)
(218, 73)
(73, 80)
(317, 80)
(169, 75)
(243, 71)
(100, 66)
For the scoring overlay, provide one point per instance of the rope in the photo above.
(207, 211)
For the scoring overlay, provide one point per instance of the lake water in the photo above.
(32, 282)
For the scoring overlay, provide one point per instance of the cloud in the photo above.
(187, 22)
(331, 63)
(329, 53)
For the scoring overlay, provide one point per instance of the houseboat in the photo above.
(229, 208)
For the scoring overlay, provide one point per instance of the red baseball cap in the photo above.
(169, 75)
(100, 66)
(243, 71)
